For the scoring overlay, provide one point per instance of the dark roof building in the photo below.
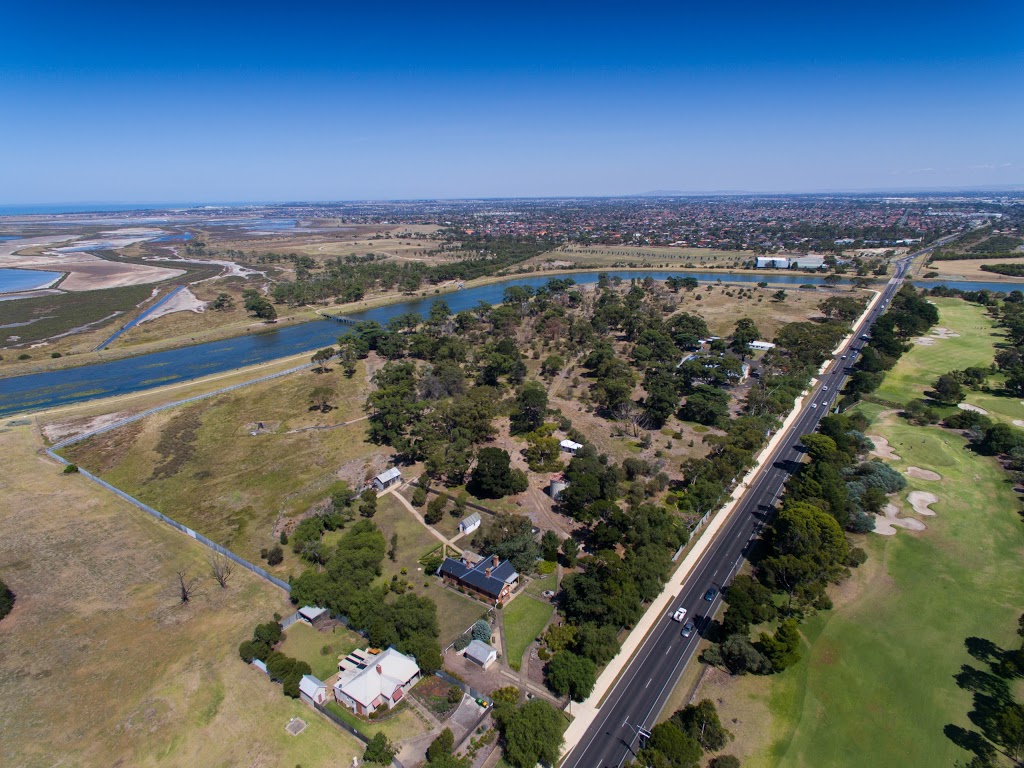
(490, 578)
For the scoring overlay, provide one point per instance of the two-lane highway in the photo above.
(637, 698)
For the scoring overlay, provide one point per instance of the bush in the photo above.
(275, 555)
(419, 497)
(24, 356)
(55, 355)
(725, 761)
(7, 599)
(482, 631)
(380, 750)
(70, 469)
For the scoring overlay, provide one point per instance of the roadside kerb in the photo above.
(586, 711)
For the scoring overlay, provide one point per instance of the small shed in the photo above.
(470, 523)
(570, 446)
(260, 665)
(312, 690)
(761, 345)
(481, 653)
(313, 615)
(387, 478)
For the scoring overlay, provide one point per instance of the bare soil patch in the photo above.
(183, 301)
(923, 474)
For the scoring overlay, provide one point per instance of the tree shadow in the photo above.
(981, 682)
(972, 741)
(983, 649)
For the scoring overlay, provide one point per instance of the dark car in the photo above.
(688, 628)
(711, 594)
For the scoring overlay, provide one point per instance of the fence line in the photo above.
(478, 695)
(287, 621)
(183, 528)
(350, 729)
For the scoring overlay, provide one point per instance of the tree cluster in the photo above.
(682, 740)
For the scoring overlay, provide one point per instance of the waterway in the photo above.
(12, 280)
(134, 374)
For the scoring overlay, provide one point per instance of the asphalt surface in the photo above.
(637, 698)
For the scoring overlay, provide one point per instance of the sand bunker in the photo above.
(887, 523)
(1018, 423)
(924, 341)
(183, 301)
(969, 407)
(943, 333)
(923, 474)
(920, 500)
(882, 448)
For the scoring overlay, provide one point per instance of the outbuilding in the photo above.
(470, 523)
(570, 446)
(481, 653)
(763, 346)
(312, 690)
(313, 615)
(387, 478)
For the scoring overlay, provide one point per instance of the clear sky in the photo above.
(149, 102)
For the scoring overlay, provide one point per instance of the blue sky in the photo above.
(260, 102)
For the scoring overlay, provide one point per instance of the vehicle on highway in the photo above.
(824, 403)
(814, 405)
(843, 357)
(679, 615)
(824, 388)
(711, 594)
(688, 628)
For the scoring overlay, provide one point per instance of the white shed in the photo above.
(570, 446)
(312, 690)
(481, 653)
(387, 478)
(470, 523)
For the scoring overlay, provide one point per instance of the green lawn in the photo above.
(305, 643)
(524, 619)
(877, 686)
(405, 723)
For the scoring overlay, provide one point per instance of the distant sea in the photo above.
(53, 208)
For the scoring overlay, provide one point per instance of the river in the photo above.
(133, 374)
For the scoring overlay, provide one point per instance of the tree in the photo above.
(223, 302)
(948, 389)
(221, 567)
(783, 649)
(679, 749)
(701, 721)
(493, 476)
(419, 496)
(275, 555)
(440, 752)
(570, 551)
(482, 631)
(779, 296)
(532, 734)
(7, 598)
(380, 750)
(724, 761)
(368, 503)
(572, 675)
(393, 549)
(187, 586)
(530, 409)
(320, 398)
(549, 544)
(744, 333)
(552, 365)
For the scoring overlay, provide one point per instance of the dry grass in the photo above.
(970, 269)
(668, 256)
(100, 663)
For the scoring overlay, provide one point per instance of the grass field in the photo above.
(199, 465)
(876, 685)
(303, 642)
(524, 619)
(102, 665)
(975, 346)
(669, 256)
(405, 723)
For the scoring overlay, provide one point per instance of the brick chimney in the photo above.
(380, 670)
(487, 573)
(494, 561)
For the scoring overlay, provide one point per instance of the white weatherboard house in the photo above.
(312, 690)
(387, 478)
(470, 523)
(761, 345)
(382, 682)
(570, 446)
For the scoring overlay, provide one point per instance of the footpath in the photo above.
(586, 712)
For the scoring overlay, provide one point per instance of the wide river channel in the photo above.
(133, 374)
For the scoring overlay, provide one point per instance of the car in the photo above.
(825, 388)
(688, 628)
(814, 405)
(711, 594)
(679, 615)
(548, 593)
(824, 403)
(843, 357)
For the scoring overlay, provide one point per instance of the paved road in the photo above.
(641, 692)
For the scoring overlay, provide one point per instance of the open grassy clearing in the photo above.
(200, 465)
(403, 723)
(524, 619)
(976, 345)
(414, 539)
(876, 685)
(668, 256)
(970, 269)
(303, 642)
(102, 665)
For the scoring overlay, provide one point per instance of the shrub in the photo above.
(275, 555)
(55, 355)
(7, 599)
(70, 469)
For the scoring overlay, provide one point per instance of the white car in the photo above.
(679, 615)
(825, 388)
(824, 403)
(814, 405)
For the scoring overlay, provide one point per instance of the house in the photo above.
(470, 523)
(387, 478)
(312, 690)
(314, 616)
(763, 346)
(772, 262)
(382, 681)
(481, 653)
(491, 579)
(570, 446)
